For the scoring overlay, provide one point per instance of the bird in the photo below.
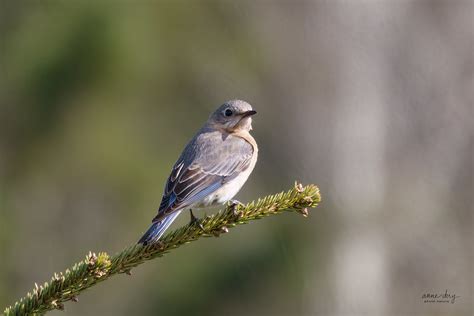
(211, 169)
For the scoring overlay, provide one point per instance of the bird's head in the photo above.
(233, 116)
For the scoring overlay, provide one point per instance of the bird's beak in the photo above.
(249, 113)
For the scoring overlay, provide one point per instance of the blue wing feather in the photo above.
(157, 229)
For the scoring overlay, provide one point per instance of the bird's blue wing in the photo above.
(208, 161)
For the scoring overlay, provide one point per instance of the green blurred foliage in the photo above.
(371, 100)
(97, 102)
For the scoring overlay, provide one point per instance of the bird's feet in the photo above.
(234, 206)
(195, 220)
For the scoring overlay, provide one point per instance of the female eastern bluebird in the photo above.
(212, 168)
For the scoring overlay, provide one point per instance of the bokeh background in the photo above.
(371, 100)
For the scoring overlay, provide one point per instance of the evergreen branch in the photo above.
(94, 269)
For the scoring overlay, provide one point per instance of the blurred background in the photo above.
(370, 100)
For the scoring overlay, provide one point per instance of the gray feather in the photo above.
(208, 161)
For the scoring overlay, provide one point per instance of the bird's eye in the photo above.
(228, 112)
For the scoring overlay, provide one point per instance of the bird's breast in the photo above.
(229, 189)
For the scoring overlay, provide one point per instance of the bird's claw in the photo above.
(234, 206)
(195, 220)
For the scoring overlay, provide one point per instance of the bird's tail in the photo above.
(157, 229)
